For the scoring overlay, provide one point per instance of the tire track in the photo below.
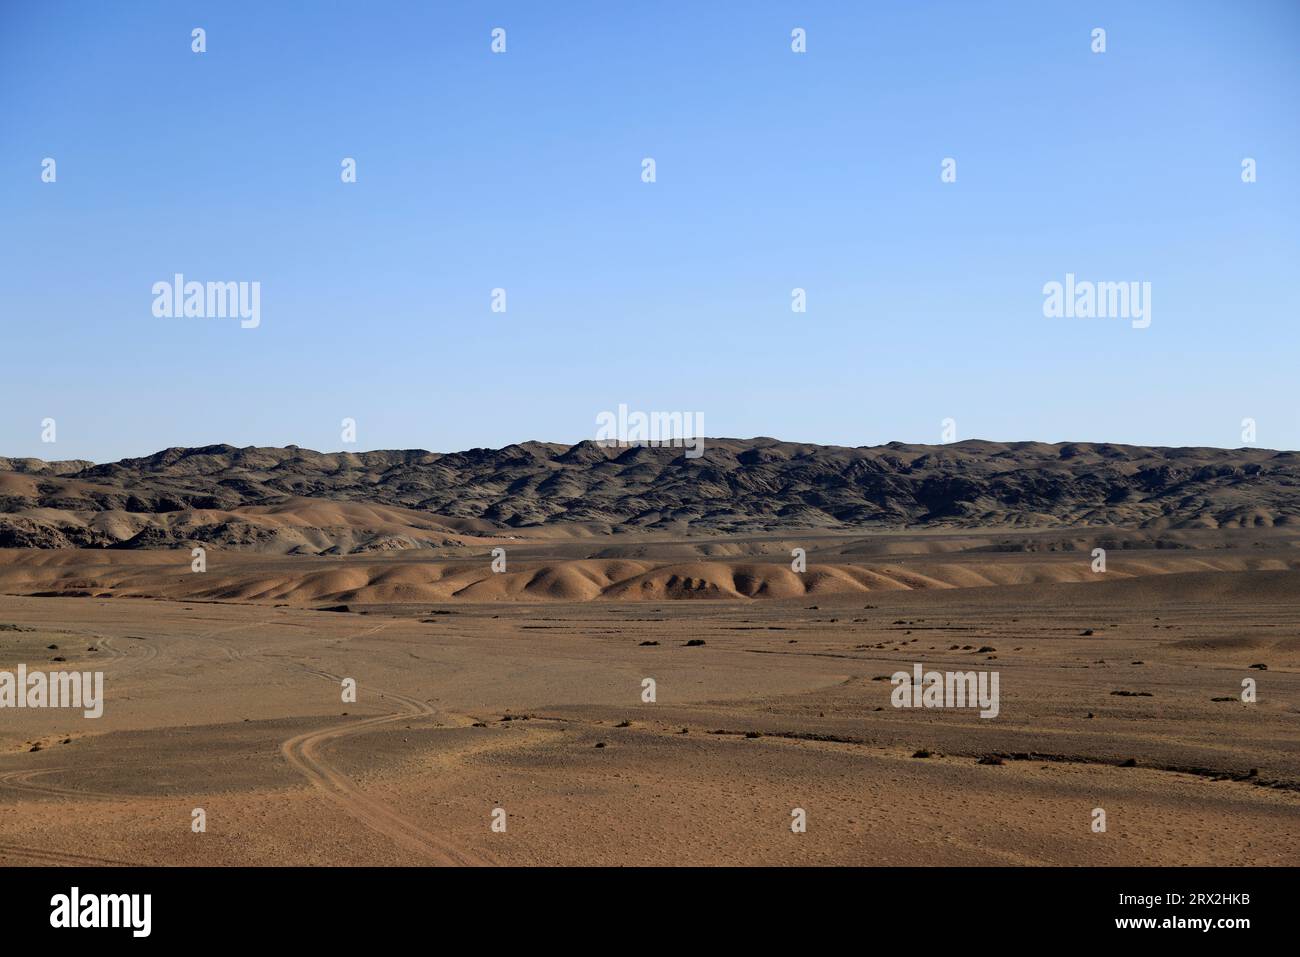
(232, 652)
(304, 753)
(22, 781)
(136, 662)
(57, 858)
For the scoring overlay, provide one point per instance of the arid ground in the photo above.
(522, 691)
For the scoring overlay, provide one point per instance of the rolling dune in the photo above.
(407, 578)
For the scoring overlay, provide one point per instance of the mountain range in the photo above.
(297, 500)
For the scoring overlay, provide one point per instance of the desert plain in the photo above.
(535, 706)
(501, 717)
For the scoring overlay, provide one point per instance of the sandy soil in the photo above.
(535, 707)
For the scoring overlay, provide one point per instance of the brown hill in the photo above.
(296, 500)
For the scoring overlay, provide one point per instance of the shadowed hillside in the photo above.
(295, 499)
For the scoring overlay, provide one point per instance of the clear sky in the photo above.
(522, 170)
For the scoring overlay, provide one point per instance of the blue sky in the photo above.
(522, 170)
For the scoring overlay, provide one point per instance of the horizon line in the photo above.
(672, 444)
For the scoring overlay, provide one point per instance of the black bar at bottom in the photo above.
(370, 905)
